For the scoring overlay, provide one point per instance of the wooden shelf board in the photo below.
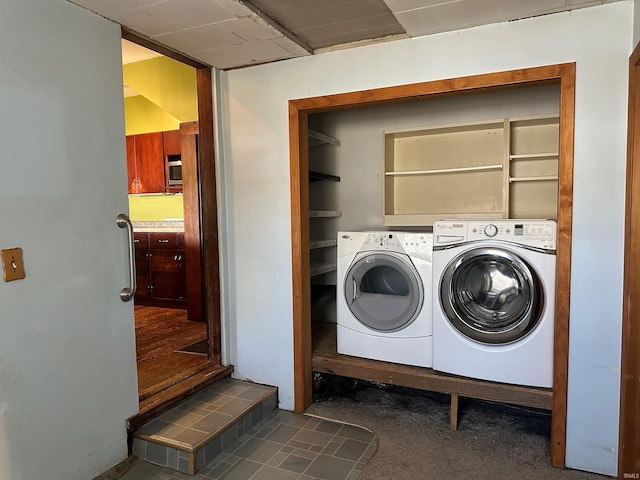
(322, 243)
(321, 268)
(325, 359)
(325, 213)
(317, 138)
(317, 176)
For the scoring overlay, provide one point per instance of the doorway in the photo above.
(299, 111)
(170, 329)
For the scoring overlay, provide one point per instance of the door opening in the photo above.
(165, 328)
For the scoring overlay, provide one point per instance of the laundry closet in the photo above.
(399, 167)
(347, 167)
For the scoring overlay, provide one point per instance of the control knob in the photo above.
(491, 230)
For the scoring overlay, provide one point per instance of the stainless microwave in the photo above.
(174, 172)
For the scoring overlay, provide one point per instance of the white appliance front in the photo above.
(494, 296)
(384, 296)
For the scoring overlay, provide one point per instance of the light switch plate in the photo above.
(12, 264)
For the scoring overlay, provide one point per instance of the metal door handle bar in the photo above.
(127, 293)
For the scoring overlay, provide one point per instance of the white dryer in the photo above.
(494, 295)
(384, 296)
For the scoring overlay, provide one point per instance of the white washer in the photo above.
(494, 295)
(384, 296)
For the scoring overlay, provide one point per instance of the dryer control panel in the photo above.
(532, 233)
(414, 244)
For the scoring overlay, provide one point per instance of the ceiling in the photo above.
(236, 33)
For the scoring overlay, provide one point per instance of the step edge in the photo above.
(187, 448)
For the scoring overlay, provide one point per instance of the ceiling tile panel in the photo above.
(328, 39)
(245, 54)
(584, 3)
(251, 29)
(196, 13)
(324, 24)
(322, 14)
(200, 38)
(151, 20)
(233, 7)
(106, 8)
(292, 47)
(134, 4)
(345, 37)
(404, 5)
(356, 26)
(468, 13)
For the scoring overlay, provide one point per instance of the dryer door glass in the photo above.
(383, 291)
(491, 295)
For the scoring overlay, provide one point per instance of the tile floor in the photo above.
(283, 446)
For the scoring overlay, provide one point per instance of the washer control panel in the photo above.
(533, 233)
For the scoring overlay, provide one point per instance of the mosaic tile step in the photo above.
(283, 446)
(196, 431)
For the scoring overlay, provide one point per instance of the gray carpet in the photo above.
(493, 441)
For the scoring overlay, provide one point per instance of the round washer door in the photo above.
(491, 295)
(383, 291)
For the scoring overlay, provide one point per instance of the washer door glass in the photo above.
(383, 291)
(491, 295)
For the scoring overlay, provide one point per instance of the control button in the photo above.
(491, 230)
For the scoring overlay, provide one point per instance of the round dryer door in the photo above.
(491, 295)
(383, 291)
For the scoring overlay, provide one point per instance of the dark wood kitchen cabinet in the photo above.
(148, 157)
(145, 163)
(161, 275)
(171, 142)
(141, 243)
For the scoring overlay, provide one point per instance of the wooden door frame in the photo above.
(299, 110)
(629, 434)
(201, 213)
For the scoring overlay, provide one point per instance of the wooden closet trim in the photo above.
(629, 440)
(299, 110)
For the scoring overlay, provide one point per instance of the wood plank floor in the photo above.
(159, 332)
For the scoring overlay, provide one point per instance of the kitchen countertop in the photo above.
(159, 226)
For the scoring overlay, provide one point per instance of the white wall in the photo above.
(257, 243)
(636, 22)
(67, 349)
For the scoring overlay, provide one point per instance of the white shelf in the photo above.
(317, 138)
(324, 213)
(481, 168)
(322, 243)
(534, 179)
(533, 156)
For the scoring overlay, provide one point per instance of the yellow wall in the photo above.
(155, 207)
(168, 95)
(142, 116)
